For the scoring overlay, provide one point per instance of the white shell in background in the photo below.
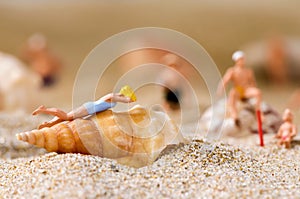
(18, 85)
(247, 118)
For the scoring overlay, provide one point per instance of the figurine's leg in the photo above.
(51, 111)
(39, 110)
(232, 106)
(284, 143)
(253, 92)
(288, 145)
(50, 123)
(279, 143)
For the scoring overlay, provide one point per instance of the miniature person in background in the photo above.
(41, 59)
(174, 90)
(294, 100)
(126, 95)
(277, 67)
(287, 130)
(244, 87)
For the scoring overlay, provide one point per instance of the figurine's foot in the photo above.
(39, 110)
(49, 123)
(45, 124)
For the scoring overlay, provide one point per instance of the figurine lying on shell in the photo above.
(246, 117)
(135, 138)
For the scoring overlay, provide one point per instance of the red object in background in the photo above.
(260, 131)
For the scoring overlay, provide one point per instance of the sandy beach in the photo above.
(231, 167)
(193, 170)
(185, 172)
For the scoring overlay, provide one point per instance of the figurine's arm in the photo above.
(225, 80)
(294, 131)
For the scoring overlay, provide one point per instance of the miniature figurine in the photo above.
(244, 87)
(277, 61)
(175, 93)
(135, 138)
(126, 95)
(41, 59)
(294, 100)
(174, 90)
(287, 130)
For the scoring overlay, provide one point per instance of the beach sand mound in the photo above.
(188, 171)
(192, 170)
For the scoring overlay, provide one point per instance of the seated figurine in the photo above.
(244, 87)
(287, 130)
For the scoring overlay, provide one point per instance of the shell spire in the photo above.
(61, 138)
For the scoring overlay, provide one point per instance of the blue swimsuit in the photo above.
(98, 106)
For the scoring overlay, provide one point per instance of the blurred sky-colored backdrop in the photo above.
(74, 28)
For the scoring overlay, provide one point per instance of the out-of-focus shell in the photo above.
(18, 85)
(246, 116)
(135, 138)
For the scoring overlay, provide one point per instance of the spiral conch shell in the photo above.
(135, 138)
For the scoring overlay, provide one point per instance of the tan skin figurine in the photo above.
(172, 80)
(244, 85)
(36, 52)
(175, 88)
(277, 67)
(89, 108)
(287, 130)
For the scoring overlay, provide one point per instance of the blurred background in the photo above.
(268, 31)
